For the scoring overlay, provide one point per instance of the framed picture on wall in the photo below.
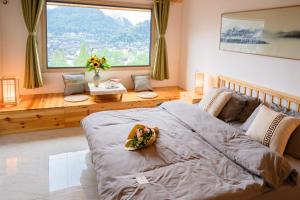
(271, 32)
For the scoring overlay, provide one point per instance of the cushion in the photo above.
(245, 126)
(74, 83)
(293, 145)
(277, 108)
(251, 105)
(272, 129)
(233, 108)
(214, 101)
(141, 82)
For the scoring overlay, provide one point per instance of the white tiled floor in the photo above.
(46, 165)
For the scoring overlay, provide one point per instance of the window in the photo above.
(77, 31)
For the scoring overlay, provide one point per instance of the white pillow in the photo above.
(272, 129)
(214, 101)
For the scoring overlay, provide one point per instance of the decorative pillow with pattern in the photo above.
(214, 101)
(273, 129)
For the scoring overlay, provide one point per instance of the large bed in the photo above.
(196, 156)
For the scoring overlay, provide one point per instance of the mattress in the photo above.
(196, 156)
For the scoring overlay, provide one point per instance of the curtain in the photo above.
(32, 10)
(161, 13)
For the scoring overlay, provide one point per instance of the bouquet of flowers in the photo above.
(96, 63)
(140, 136)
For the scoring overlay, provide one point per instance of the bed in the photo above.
(196, 156)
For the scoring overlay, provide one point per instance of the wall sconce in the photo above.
(10, 91)
(199, 83)
(5, 2)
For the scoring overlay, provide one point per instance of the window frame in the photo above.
(43, 39)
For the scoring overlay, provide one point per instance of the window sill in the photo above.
(72, 70)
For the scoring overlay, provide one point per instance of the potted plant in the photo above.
(95, 63)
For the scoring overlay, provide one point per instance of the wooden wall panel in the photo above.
(34, 120)
(73, 115)
(50, 111)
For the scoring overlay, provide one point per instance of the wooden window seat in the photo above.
(50, 111)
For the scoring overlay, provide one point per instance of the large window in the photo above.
(75, 32)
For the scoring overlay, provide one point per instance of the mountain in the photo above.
(74, 32)
(77, 20)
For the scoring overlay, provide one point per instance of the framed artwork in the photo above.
(271, 32)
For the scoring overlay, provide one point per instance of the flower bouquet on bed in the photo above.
(140, 136)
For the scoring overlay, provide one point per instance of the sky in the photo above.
(133, 16)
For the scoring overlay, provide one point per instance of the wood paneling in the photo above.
(50, 111)
(73, 115)
(31, 120)
(38, 101)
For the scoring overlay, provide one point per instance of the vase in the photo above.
(96, 79)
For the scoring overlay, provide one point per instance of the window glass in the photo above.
(75, 32)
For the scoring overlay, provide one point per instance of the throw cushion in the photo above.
(245, 126)
(142, 83)
(272, 129)
(233, 108)
(251, 105)
(214, 101)
(293, 146)
(74, 83)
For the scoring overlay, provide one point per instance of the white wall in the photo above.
(13, 44)
(200, 47)
(1, 45)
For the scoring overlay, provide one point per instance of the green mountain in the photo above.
(73, 31)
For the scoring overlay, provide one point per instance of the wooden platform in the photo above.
(50, 111)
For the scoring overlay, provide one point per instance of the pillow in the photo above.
(233, 108)
(272, 129)
(141, 83)
(74, 83)
(251, 105)
(293, 146)
(276, 107)
(214, 101)
(245, 126)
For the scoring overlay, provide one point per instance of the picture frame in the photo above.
(273, 32)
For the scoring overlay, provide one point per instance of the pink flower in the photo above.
(139, 133)
(146, 130)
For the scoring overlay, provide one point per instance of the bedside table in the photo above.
(190, 97)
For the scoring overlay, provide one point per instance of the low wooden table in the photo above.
(102, 92)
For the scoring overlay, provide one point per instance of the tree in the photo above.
(83, 55)
(58, 59)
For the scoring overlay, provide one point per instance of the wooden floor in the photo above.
(50, 111)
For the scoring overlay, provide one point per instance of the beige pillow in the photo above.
(214, 101)
(272, 129)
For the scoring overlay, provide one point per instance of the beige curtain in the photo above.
(32, 10)
(161, 13)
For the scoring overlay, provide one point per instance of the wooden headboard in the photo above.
(266, 95)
